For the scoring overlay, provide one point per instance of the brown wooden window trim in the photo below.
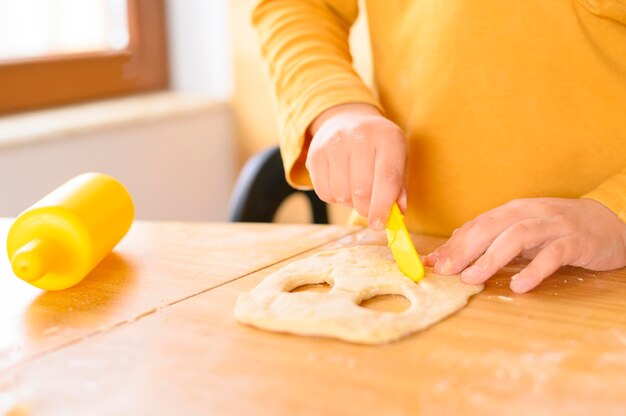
(43, 82)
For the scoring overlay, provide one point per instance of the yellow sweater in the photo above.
(499, 99)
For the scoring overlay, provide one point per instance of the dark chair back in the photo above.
(261, 188)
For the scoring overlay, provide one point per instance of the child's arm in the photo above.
(589, 232)
(305, 43)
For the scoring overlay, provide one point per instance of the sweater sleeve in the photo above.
(305, 45)
(612, 193)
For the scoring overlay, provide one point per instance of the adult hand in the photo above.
(553, 232)
(356, 158)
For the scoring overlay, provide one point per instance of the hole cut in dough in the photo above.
(355, 274)
(386, 303)
(322, 287)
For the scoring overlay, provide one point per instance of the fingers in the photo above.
(318, 170)
(362, 176)
(471, 240)
(388, 180)
(556, 254)
(553, 232)
(519, 237)
(339, 177)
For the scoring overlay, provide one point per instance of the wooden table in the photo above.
(151, 332)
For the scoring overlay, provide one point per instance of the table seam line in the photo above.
(154, 310)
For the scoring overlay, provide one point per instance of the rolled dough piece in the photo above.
(354, 274)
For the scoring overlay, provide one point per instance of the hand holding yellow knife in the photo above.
(402, 247)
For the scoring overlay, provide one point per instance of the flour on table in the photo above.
(354, 274)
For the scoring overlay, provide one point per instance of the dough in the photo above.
(354, 274)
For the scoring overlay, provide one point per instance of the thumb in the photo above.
(402, 200)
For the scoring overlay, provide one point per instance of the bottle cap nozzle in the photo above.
(31, 261)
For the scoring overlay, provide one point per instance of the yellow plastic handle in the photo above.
(402, 247)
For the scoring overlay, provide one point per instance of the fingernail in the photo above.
(376, 224)
(518, 285)
(443, 266)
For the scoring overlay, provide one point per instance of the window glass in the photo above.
(37, 28)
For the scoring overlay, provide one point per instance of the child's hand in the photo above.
(356, 158)
(553, 232)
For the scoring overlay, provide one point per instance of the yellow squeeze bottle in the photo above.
(55, 243)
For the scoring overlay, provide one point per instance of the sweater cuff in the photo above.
(612, 194)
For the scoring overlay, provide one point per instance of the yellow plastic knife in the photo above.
(402, 247)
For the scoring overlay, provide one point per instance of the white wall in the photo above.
(200, 47)
(178, 166)
(175, 169)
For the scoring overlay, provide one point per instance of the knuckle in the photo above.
(464, 230)
(338, 200)
(584, 255)
(441, 249)
(484, 220)
(358, 129)
(342, 199)
(335, 140)
(391, 174)
(515, 203)
(397, 135)
(477, 226)
(563, 220)
(387, 130)
(362, 193)
(544, 209)
(398, 146)
(558, 249)
(359, 137)
(350, 137)
(324, 196)
(468, 225)
(519, 229)
(329, 142)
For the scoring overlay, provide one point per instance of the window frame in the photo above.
(34, 83)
